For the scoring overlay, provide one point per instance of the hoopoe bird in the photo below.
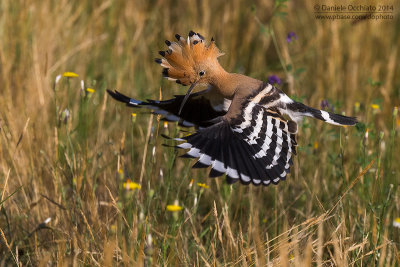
(246, 128)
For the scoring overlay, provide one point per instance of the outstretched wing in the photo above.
(199, 110)
(250, 144)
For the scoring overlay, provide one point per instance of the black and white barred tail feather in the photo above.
(277, 100)
(198, 111)
(274, 99)
(329, 117)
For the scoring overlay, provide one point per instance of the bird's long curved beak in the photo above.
(187, 96)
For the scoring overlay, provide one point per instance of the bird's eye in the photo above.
(201, 73)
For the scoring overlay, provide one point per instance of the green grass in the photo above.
(336, 207)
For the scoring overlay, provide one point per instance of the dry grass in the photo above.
(336, 208)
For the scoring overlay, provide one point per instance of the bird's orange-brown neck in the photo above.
(228, 84)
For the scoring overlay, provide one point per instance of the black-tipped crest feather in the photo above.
(183, 57)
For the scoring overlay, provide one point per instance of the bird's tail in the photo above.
(301, 110)
(181, 57)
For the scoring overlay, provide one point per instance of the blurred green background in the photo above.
(68, 152)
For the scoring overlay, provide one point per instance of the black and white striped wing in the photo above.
(199, 109)
(254, 147)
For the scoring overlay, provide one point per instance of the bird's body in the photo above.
(242, 130)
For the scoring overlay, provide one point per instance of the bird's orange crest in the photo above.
(185, 59)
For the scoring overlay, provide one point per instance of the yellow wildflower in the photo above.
(315, 145)
(396, 222)
(374, 106)
(129, 185)
(133, 115)
(174, 207)
(121, 174)
(203, 185)
(113, 228)
(90, 90)
(357, 106)
(69, 74)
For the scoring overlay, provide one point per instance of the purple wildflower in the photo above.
(325, 105)
(273, 79)
(291, 36)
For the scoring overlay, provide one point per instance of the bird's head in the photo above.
(190, 61)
